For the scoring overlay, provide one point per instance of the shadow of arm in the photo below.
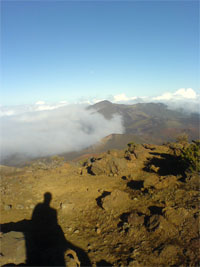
(20, 226)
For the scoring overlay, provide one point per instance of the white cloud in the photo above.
(41, 105)
(165, 96)
(180, 94)
(4, 112)
(47, 107)
(40, 102)
(50, 132)
(184, 98)
(123, 98)
(38, 106)
(188, 93)
(120, 97)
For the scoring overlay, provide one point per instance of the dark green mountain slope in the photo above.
(152, 122)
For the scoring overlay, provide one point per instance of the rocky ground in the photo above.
(134, 207)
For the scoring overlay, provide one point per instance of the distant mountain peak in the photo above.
(102, 104)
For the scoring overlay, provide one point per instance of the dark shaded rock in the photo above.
(149, 146)
(103, 263)
(99, 199)
(129, 156)
(156, 210)
(136, 185)
(135, 220)
(152, 222)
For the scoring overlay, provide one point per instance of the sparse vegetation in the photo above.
(48, 163)
(57, 158)
(182, 139)
(175, 149)
(190, 156)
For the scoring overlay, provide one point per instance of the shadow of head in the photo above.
(47, 198)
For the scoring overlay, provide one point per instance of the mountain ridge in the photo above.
(150, 120)
(143, 123)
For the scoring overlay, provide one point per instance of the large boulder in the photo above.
(171, 255)
(176, 216)
(13, 248)
(117, 202)
(108, 165)
(135, 220)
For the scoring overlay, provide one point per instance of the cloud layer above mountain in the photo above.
(54, 131)
(43, 129)
(184, 98)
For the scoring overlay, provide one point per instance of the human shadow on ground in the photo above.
(167, 164)
(44, 238)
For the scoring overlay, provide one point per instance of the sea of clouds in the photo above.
(39, 130)
(45, 129)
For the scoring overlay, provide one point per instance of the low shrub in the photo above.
(190, 156)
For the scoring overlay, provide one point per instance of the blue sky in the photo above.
(69, 50)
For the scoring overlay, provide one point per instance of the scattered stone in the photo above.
(89, 246)
(19, 207)
(7, 207)
(153, 168)
(71, 258)
(98, 230)
(32, 206)
(66, 206)
(84, 171)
